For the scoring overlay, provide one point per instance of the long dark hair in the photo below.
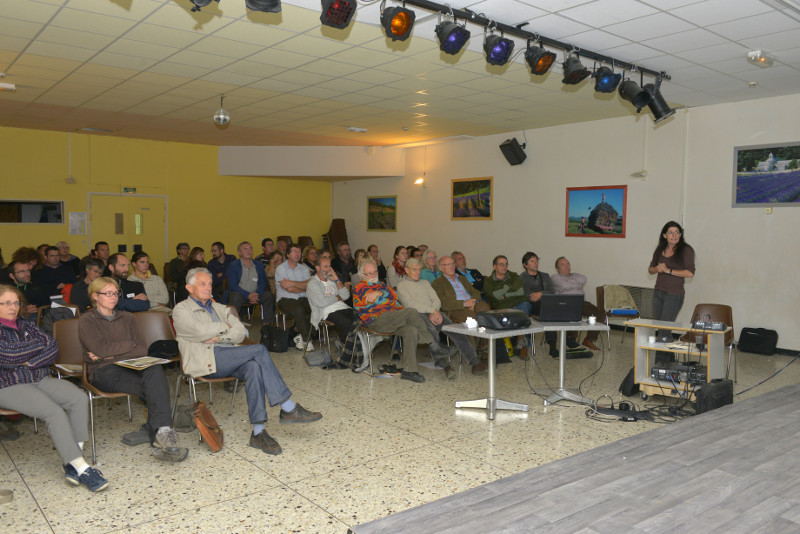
(662, 241)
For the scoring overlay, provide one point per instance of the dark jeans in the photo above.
(298, 310)
(666, 306)
(267, 301)
(148, 384)
(459, 340)
(343, 320)
(253, 364)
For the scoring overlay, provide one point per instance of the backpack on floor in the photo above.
(629, 386)
(758, 340)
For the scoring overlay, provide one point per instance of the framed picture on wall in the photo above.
(596, 211)
(471, 199)
(382, 214)
(766, 175)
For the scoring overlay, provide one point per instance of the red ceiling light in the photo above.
(337, 13)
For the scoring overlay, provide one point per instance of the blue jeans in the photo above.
(253, 364)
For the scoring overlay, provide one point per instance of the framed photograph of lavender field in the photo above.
(471, 199)
(596, 211)
(766, 175)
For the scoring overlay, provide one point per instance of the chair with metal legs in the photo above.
(324, 335)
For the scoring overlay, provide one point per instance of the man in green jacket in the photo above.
(504, 290)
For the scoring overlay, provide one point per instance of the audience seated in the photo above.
(503, 290)
(372, 250)
(247, 283)
(208, 334)
(396, 271)
(110, 335)
(274, 261)
(133, 297)
(53, 275)
(291, 279)
(535, 284)
(418, 294)
(459, 299)
(326, 296)
(310, 257)
(565, 282)
(100, 251)
(473, 276)
(268, 247)
(378, 307)
(79, 296)
(430, 271)
(35, 296)
(343, 263)
(175, 264)
(281, 246)
(154, 286)
(218, 265)
(26, 386)
(196, 258)
(72, 262)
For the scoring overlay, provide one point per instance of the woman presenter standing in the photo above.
(672, 263)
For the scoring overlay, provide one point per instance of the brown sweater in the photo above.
(112, 340)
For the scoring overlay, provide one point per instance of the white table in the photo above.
(491, 404)
(562, 392)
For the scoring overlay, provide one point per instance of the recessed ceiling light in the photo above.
(752, 84)
(760, 58)
(356, 129)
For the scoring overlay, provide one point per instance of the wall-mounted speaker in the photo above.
(513, 151)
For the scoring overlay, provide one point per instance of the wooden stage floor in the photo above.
(733, 469)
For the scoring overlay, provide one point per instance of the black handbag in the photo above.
(758, 340)
(275, 339)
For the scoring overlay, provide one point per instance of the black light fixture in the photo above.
(267, 6)
(630, 91)
(337, 13)
(452, 36)
(574, 71)
(539, 59)
(498, 49)
(397, 22)
(658, 105)
(200, 3)
(605, 80)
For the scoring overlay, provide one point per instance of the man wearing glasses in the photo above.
(20, 274)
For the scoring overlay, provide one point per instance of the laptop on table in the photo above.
(560, 308)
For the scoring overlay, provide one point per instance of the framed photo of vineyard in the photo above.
(382, 214)
(596, 211)
(766, 175)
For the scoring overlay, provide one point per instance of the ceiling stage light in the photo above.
(574, 71)
(539, 59)
(200, 3)
(605, 81)
(452, 37)
(397, 23)
(337, 13)
(268, 6)
(658, 105)
(630, 91)
(498, 49)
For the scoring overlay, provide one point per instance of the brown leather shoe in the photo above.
(523, 353)
(590, 344)
(480, 367)
(299, 415)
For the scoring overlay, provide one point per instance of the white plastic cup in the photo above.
(592, 319)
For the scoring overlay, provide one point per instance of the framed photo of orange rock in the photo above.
(598, 211)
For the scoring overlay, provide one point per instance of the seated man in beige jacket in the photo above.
(418, 294)
(208, 334)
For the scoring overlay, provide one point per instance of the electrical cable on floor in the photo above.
(770, 377)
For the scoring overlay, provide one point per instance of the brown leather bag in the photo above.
(210, 432)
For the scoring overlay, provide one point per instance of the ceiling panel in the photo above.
(153, 68)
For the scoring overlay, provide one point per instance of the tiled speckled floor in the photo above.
(384, 445)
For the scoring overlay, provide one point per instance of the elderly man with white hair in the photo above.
(418, 294)
(209, 336)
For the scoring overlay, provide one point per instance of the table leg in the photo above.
(492, 403)
(562, 393)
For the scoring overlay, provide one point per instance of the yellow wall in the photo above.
(202, 205)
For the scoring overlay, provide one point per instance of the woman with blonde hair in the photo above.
(430, 271)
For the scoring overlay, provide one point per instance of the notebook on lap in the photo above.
(561, 308)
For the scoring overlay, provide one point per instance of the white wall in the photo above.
(744, 257)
